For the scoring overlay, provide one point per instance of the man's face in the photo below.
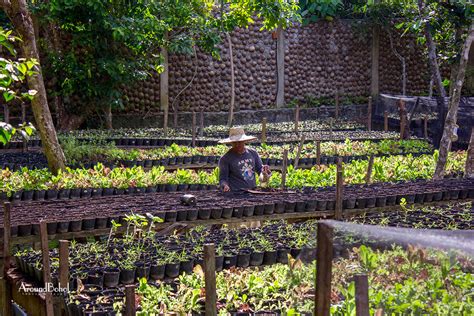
(238, 146)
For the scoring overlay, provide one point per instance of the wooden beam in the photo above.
(297, 119)
(284, 169)
(201, 124)
(263, 139)
(362, 295)
(5, 287)
(324, 255)
(130, 304)
(63, 263)
(318, 153)
(298, 153)
(48, 296)
(368, 175)
(385, 121)
(336, 114)
(339, 190)
(210, 279)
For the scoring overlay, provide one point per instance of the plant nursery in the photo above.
(236, 157)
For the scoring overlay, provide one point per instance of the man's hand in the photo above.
(266, 169)
(225, 188)
(266, 173)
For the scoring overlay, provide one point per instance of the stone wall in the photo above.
(418, 75)
(319, 59)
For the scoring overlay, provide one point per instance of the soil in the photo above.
(160, 203)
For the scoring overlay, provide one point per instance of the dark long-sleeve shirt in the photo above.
(239, 171)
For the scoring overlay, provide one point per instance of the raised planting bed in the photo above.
(97, 213)
(38, 184)
(284, 289)
(139, 253)
(458, 215)
(275, 139)
(284, 127)
(88, 155)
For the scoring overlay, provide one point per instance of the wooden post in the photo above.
(331, 122)
(403, 118)
(369, 115)
(6, 113)
(469, 170)
(318, 153)
(201, 124)
(337, 104)
(298, 153)
(7, 209)
(324, 256)
(385, 121)
(48, 296)
(130, 304)
(425, 126)
(339, 189)
(368, 176)
(297, 118)
(264, 130)
(63, 263)
(193, 126)
(362, 294)
(284, 169)
(5, 287)
(210, 279)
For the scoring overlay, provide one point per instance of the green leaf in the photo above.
(8, 95)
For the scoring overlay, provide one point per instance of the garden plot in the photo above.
(85, 154)
(41, 184)
(97, 213)
(449, 216)
(283, 284)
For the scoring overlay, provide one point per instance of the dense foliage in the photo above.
(12, 73)
(385, 169)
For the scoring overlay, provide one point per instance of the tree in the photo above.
(95, 47)
(20, 17)
(187, 24)
(12, 73)
(440, 26)
(450, 127)
(275, 15)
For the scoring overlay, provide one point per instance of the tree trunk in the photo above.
(20, 16)
(454, 67)
(164, 88)
(232, 82)
(435, 72)
(402, 61)
(108, 117)
(280, 55)
(449, 132)
(68, 121)
(469, 171)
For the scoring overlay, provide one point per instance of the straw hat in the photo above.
(237, 134)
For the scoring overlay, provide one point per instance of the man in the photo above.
(237, 168)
